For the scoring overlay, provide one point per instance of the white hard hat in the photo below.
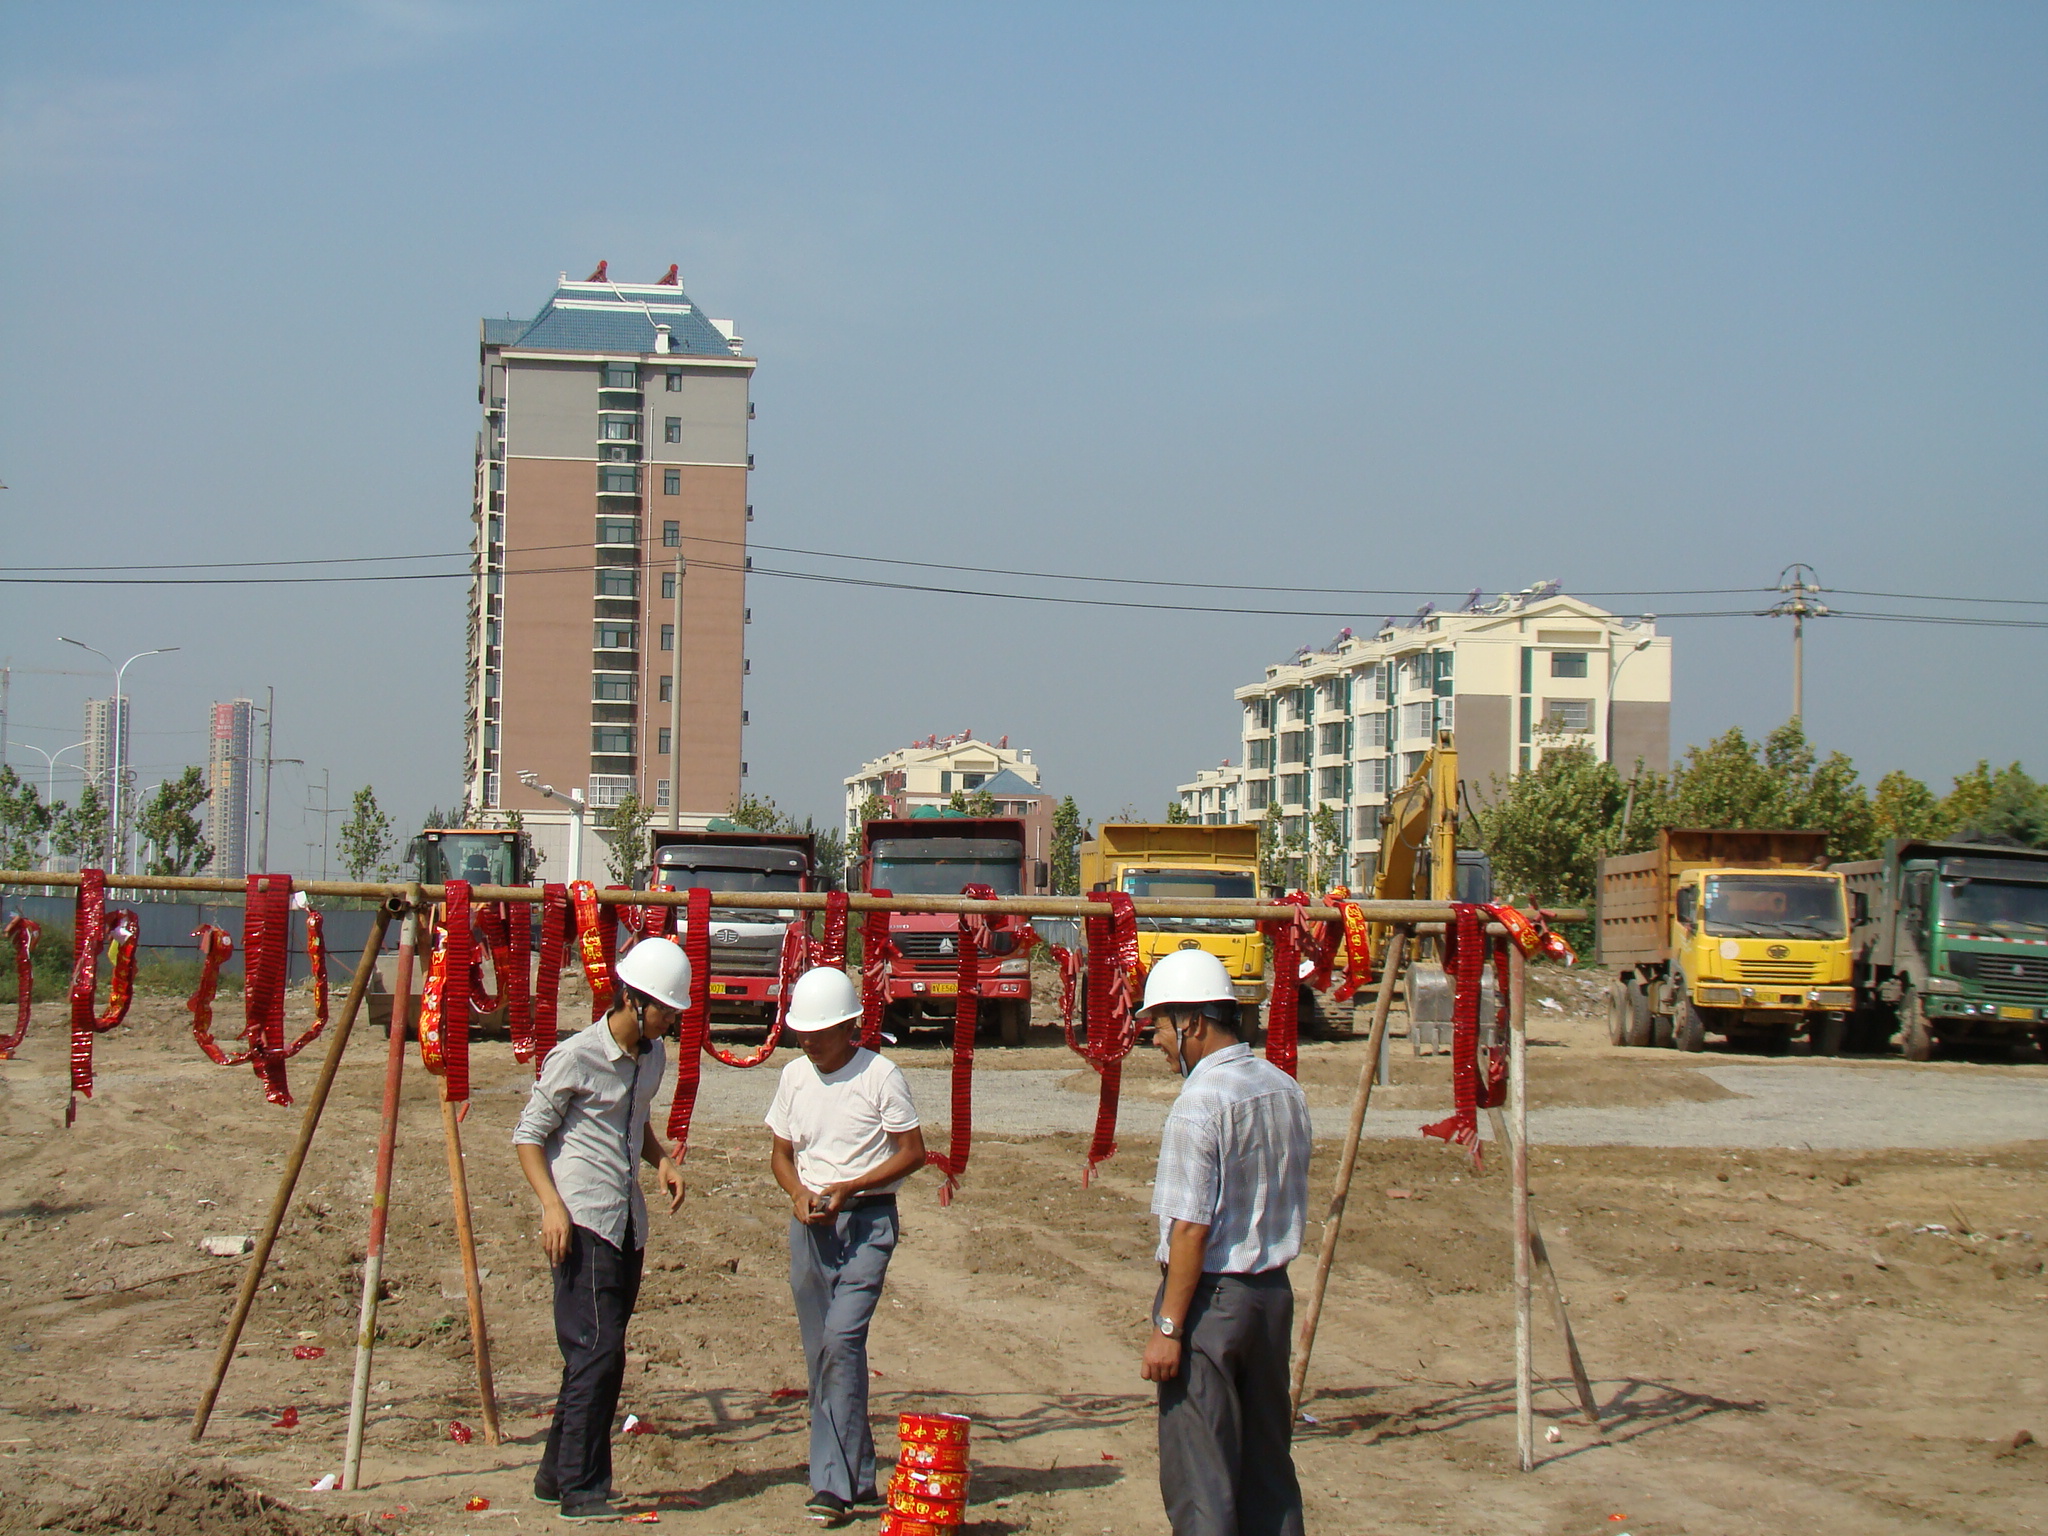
(658, 967)
(1187, 977)
(823, 996)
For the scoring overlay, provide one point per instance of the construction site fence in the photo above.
(799, 901)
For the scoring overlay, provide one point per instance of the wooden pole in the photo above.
(1333, 1222)
(813, 901)
(472, 1281)
(309, 1122)
(380, 1196)
(1588, 1404)
(1518, 1110)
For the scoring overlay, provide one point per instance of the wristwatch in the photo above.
(1167, 1327)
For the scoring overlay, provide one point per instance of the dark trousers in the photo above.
(596, 1286)
(835, 1276)
(1224, 1423)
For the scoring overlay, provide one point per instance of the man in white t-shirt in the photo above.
(845, 1138)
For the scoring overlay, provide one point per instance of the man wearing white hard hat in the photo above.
(584, 1126)
(845, 1137)
(1231, 1195)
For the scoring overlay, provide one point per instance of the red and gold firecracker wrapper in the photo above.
(934, 1429)
(931, 1458)
(943, 1512)
(894, 1524)
(929, 1484)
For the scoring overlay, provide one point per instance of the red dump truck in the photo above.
(936, 856)
(746, 943)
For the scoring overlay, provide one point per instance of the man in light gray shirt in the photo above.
(584, 1125)
(1231, 1195)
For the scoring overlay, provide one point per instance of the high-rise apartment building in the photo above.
(230, 743)
(615, 426)
(102, 750)
(1336, 729)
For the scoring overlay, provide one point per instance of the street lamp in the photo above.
(574, 800)
(50, 784)
(1614, 673)
(116, 843)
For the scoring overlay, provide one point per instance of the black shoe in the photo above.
(827, 1508)
(591, 1509)
(555, 1497)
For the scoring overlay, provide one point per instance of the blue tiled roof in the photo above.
(502, 333)
(590, 317)
(1009, 783)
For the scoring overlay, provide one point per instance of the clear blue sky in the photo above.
(1395, 296)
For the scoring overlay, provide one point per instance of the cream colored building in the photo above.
(928, 772)
(1533, 671)
(1215, 795)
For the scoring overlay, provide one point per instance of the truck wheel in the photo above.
(1690, 1031)
(1916, 1040)
(1826, 1033)
(1619, 1011)
(1641, 1029)
(1014, 1021)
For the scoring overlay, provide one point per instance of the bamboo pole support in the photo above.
(1333, 1222)
(1518, 1161)
(380, 1197)
(1588, 1404)
(472, 1281)
(309, 1123)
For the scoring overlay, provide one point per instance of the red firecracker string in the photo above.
(695, 1033)
(555, 915)
(22, 934)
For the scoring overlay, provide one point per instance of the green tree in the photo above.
(957, 803)
(757, 813)
(1902, 806)
(1067, 833)
(873, 808)
(1732, 782)
(2007, 805)
(1547, 830)
(173, 839)
(1176, 813)
(1326, 847)
(831, 856)
(79, 832)
(24, 821)
(981, 803)
(624, 829)
(364, 842)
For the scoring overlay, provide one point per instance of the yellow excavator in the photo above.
(1420, 860)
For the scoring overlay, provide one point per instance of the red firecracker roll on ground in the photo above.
(894, 1524)
(928, 1494)
(932, 1458)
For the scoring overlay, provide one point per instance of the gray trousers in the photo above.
(835, 1274)
(1224, 1425)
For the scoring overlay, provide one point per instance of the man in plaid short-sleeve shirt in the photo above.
(1231, 1195)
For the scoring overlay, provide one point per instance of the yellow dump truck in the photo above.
(1187, 862)
(1738, 933)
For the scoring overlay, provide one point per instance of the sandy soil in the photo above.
(1782, 1342)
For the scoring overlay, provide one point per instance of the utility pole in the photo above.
(1801, 603)
(675, 704)
(269, 762)
(326, 810)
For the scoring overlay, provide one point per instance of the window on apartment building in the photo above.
(613, 687)
(671, 482)
(675, 379)
(1410, 761)
(618, 530)
(1293, 789)
(618, 429)
(668, 637)
(621, 376)
(612, 740)
(1446, 713)
(1261, 714)
(490, 685)
(1568, 716)
(1293, 746)
(618, 581)
(619, 480)
(1372, 776)
(617, 635)
(668, 586)
(1258, 793)
(661, 793)
(668, 687)
(1418, 720)
(1567, 663)
(672, 429)
(1330, 738)
(1330, 784)
(671, 535)
(1376, 731)
(1365, 822)
(661, 742)
(1259, 753)
(497, 477)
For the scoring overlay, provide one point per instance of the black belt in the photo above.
(870, 1202)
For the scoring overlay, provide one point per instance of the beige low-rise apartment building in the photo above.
(927, 774)
(1213, 798)
(1533, 671)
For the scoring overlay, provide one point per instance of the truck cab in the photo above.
(1952, 945)
(1183, 861)
(745, 942)
(938, 856)
(481, 856)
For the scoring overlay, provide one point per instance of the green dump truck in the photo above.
(1952, 945)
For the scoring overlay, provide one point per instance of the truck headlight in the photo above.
(1014, 968)
(1941, 984)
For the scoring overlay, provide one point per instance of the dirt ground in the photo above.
(1782, 1342)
